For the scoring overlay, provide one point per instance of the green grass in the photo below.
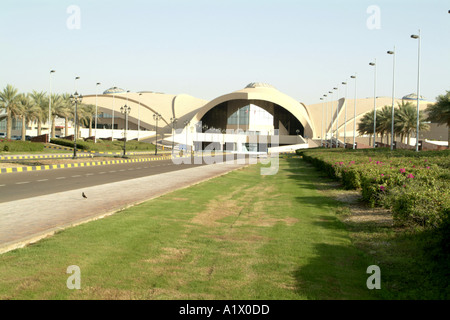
(238, 236)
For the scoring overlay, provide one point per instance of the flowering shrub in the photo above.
(414, 185)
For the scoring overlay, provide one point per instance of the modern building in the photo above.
(252, 119)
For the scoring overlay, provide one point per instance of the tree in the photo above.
(365, 125)
(9, 101)
(440, 112)
(405, 120)
(89, 114)
(23, 111)
(40, 109)
(64, 110)
(384, 121)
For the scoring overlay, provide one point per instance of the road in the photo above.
(22, 185)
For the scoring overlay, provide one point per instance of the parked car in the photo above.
(16, 138)
(2, 135)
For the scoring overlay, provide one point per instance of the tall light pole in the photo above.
(321, 128)
(96, 111)
(139, 115)
(50, 105)
(393, 92)
(414, 36)
(75, 90)
(374, 64)
(337, 113)
(354, 117)
(345, 115)
(126, 111)
(186, 123)
(156, 117)
(331, 119)
(75, 99)
(112, 120)
(173, 120)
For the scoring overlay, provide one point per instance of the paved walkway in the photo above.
(28, 220)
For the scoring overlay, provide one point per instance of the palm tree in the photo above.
(64, 110)
(365, 125)
(23, 110)
(89, 114)
(9, 101)
(384, 120)
(40, 109)
(440, 112)
(405, 122)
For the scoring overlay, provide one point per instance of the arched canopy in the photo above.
(262, 92)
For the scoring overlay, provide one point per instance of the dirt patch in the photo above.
(359, 211)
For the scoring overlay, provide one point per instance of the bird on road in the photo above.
(84, 196)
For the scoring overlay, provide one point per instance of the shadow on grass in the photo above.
(336, 273)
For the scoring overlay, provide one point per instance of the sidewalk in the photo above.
(28, 220)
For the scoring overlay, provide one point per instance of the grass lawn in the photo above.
(238, 236)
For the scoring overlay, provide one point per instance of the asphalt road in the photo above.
(22, 185)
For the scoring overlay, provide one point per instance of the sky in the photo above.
(208, 48)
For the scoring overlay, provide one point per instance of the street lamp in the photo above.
(96, 112)
(337, 113)
(156, 117)
(50, 105)
(414, 36)
(331, 116)
(321, 129)
(374, 64)
(186, 123)
(345, 115)
(126, 111)
(75, 99)
(139, 116)
(354, 117)
(173, 121)
(112, 119)
(393, 90)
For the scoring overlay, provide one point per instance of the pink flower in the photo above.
(410, 176)
(428, 167)
(382, 188)
(382, 175)
(402, 170)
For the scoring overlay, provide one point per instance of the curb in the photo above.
(78, 165)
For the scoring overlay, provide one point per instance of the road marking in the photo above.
(103, 172)
(23, 182)
(2, 185)
(122, 170)
(76, 176)
(59, 178)
(42, 180)
(112, 171)
(89, 174)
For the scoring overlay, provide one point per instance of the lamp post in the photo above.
(186, 123)
(345, 115)
(331, 117)
(75, 99)
(96, 111)
(156, 117)
(354, 117)
(139, 115)
(374, 64)
(173, 121)
(321, 128)
(414, 36)
(126, 111)
(337, 113)
(50, 104)
(393, 90)
(112, 119)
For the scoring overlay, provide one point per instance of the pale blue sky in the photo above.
(210, 48)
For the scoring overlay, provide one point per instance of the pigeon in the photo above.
(84, 196)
